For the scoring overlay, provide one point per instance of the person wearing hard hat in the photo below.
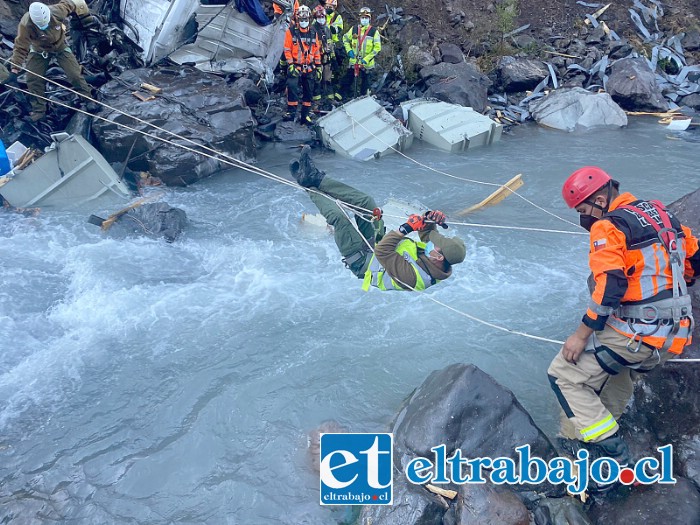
(334, 21)
(394, 261)
(41, 38)
(362, 43)
(323, 91)
(642, 260)
(302, 51)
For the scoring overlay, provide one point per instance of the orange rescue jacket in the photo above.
(631, 266)
(302, 47)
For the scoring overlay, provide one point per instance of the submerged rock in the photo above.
(153, 219)
(577, 109)
(197, 106)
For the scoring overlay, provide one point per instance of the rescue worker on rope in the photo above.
(398, 263)
(323, 91)
(362, 43)
(302, 51)
(41, 38)
(642, 259)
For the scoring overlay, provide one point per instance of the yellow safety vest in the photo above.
(377, 276)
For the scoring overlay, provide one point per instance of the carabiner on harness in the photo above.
(639, 334)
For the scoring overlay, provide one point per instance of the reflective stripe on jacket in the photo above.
(377, 276)
(630, 265)
(365, 42)
(302, 47)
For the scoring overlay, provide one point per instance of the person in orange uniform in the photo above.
(642, 260)
(302, 50)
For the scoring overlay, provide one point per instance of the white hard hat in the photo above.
(40, 15)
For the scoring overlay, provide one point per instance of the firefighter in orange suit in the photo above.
(642, 260)
(302, 50)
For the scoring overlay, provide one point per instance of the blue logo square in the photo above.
(357, 469)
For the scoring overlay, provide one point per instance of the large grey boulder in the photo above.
(461, 84)
(463, 408)
(197, 106)
(451, 53)
(153, 219)
(577, 109)
(520, 74)
(632, 84)
(417, 59)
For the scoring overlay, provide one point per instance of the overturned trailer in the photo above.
(215, 36)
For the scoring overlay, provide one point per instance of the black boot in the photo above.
(615, 447)
(304, 171)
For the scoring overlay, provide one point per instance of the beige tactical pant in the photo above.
(592, 399)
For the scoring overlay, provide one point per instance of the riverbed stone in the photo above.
(520, 74)
(451, 53)
(659, 503)
(692, 101)
(577, 109)
(632, 84)
(461, 84)
(197, 106)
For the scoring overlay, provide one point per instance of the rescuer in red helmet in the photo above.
(642, 260)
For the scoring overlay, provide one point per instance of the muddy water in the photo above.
(142, 382)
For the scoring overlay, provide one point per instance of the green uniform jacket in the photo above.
(371, 45)
(398, 267)
(52, 40)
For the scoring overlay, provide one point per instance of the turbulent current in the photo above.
(146, 382)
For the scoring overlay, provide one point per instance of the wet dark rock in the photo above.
(486, 504)
(632, 84)
(520, 74)
(692, 101)
(451, 53)
(197, 106)
(461, 84)
(463, 407)
(678, 504)
(294, 132)
(251, 92)
(154, 219)
(412, 505)
(560, 511)
(691, 41)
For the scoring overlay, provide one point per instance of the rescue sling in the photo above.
(662, 317)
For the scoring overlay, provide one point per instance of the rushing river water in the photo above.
(146, 382)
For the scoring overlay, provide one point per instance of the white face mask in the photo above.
(303, 24)
(364, 21)
(321, 21)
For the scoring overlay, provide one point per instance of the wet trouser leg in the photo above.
(37, 66)
(347, 238)
(308, 85)
(591, 397)
(66, 59)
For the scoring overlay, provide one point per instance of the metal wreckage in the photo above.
(213, 36)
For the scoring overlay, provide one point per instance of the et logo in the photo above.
(356, 469)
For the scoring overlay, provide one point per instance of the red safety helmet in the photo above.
(583, 183)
